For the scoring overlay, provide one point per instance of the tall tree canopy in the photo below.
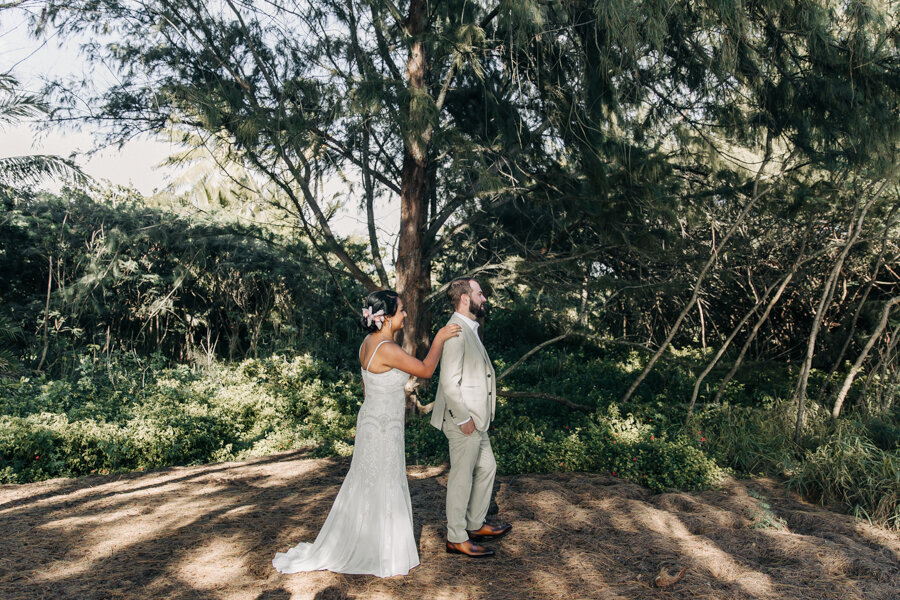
(654, 164)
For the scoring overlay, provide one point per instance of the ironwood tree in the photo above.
(669, 173)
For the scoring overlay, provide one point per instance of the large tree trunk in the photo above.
(413, 268)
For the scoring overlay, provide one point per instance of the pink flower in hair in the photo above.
(373, 317)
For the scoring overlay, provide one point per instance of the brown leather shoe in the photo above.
(491, 532)
(469, 549)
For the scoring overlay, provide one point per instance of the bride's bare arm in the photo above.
(393, 355)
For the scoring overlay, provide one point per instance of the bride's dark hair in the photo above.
(386, 300)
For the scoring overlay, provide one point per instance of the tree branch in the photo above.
(531, 353)
(543, 396)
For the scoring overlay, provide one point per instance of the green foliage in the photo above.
(762, 516)
(132, 413)
(109, 419)
(177, 416)
(885, 431)
(849, 471)
(610, 443)
(9, 335)
(128, 277)
(751, 441)
(16, 106)
(838, 464)
(425, 444)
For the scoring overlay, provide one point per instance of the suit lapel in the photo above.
(487, 359)
(482, 348)
(472, 338)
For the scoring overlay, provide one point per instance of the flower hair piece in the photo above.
(373, 317)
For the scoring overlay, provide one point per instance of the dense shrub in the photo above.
(885, 431)
(425, 444)
(124, 413)
(141, 279)
(618, 445)
(848, 470)
(838, 463)
(104, 422)
(751, 441)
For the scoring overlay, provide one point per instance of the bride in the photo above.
(370, 528)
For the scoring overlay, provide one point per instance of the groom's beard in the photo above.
(479, 311)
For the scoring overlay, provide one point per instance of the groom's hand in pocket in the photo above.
(468, 427)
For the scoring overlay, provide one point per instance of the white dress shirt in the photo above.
(470, 322)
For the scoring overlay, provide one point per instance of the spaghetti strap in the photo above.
(373, 354)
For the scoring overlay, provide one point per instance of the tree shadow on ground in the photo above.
(332, 593)
(211, 532)
(56, 488)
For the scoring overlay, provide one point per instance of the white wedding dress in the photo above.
(370, 527)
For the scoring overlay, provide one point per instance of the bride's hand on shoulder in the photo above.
(395, 357)
(448, 331)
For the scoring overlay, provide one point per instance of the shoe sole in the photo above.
(485, 555)
(488, 538)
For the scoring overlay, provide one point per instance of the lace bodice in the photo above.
(384, 391)
(387, 381)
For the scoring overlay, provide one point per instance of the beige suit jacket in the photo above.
(467, 386)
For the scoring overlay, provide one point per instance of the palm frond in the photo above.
(14, 105)
(9, 334)
(9, 364)
(16, 170)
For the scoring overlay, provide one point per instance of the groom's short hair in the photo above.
(458, 288)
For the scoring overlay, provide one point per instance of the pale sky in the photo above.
(31, 61)
(137, 163)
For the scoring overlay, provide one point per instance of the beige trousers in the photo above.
(470, 483)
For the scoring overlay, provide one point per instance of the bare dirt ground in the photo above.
(211, 531)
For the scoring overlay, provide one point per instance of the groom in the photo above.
(463, 410)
